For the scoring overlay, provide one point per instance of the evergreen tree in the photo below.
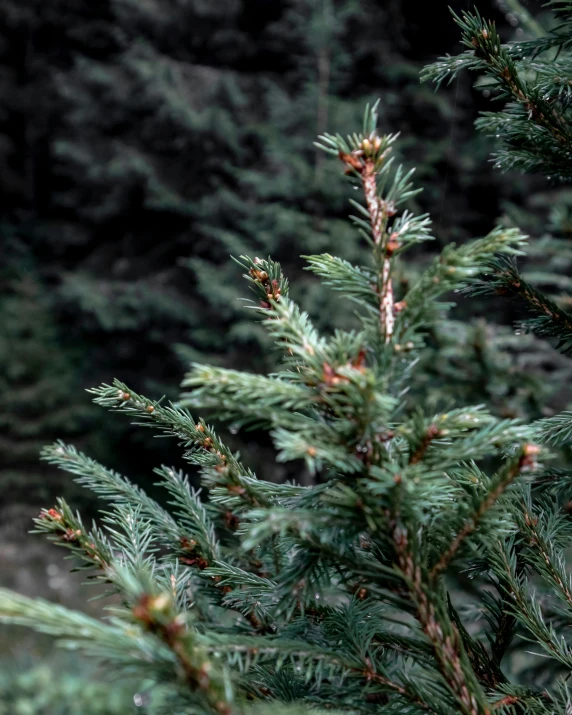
(534, 132)
(533, 61)
(532, 77)
(332, 596)
(534, 135)
(36, 384)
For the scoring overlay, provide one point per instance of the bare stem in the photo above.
(386, 308)
(378, 212)
(377, 215)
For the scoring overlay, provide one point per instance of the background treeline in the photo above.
(142, 143)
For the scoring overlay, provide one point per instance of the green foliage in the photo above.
(533, 78)
(535, 133)
(550, 320)
(38, 386)
(533, 129)
(529, 75)
(332, 596)
(43, 691)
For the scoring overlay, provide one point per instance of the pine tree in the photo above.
(517, 74)
(534, 135)
(532, 77)
(40, 393)
(332, 596)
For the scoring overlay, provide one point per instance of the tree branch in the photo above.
(506, 478)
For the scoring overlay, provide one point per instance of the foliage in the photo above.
(332, 596)
(534, 131)
(40, 391)
(41, 690)
(532, 77)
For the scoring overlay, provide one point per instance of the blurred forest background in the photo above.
(142, 143)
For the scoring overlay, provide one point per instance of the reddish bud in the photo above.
(231, 520)
(51, 514)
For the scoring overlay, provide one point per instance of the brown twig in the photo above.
(157, 615)
(446, 645)
(507, 700)
(379, 211)
(430, 434)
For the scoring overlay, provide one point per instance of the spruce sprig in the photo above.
(534, 127)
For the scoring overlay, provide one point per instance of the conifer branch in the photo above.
(485, 667)
(441, 633)
(203, 445)
(111, 486)
(405, 692)
(161, 640)
(503, 480)
(212, 387)
(328, 594)
(191, 515)
(525, 608)
(534, 126)
(315, 657)
(486, 52)
(551, 321)
(556, 430)
(431, 433)
(65, 528)
(543, 555)
(157, 615)
(452, 270)
(365, 157)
